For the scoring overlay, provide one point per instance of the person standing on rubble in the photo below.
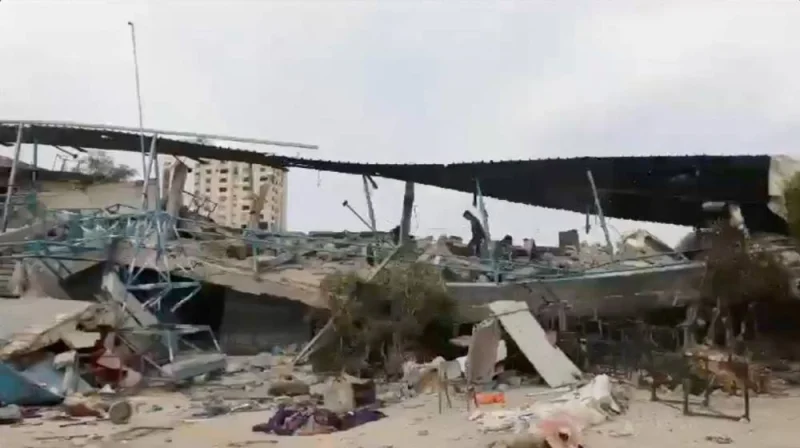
(478, 234)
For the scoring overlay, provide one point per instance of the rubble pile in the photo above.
(72, 356)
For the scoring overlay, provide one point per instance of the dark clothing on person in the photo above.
(478, 235)
(474, 246)
(477, 228)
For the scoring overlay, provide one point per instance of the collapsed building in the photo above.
(169, 273)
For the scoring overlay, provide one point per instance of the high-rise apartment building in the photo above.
(229, 189)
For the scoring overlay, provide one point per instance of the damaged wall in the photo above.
(67, 196)
(254, 324)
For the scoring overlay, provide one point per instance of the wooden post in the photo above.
(746, 392)
(687, 387)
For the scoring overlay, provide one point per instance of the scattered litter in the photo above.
(572, 412)
(484, 398)
(300, 421)
(138, 432)
(719, 439)
(251, 443)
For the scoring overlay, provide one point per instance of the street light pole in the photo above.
(138, 100)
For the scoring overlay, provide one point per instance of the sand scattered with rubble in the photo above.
(416, 423)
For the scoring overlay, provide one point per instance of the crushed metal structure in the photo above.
(152, 256)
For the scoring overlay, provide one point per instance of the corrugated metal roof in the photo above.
(667, 189)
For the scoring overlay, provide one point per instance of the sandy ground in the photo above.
(416, 423)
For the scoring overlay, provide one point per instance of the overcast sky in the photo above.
(416, 81)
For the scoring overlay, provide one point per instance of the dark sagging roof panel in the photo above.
(667, 189)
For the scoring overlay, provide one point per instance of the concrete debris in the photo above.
(345, 393)
(120, 412)
(625, 431)
(82, 406)
(289, 388)
(262, 361)
(34, 323)
(10, 414)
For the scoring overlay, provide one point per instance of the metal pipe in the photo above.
(11, 177)
(138, 94)
(370, 208)
(74, 156)
(600, 212)
(347, 204)
(485, 223)
(157, 167)
(147, 168)
(35, 173)
(161, 132)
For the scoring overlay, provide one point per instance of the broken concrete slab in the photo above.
(482, 355)
(520, 324)
(29, 324)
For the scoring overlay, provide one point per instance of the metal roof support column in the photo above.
(11, 178)
(600, 213)
(370, 210)
(35, 173)
(157, 167)
(255, 212)
(485, 223)
(408, 207)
